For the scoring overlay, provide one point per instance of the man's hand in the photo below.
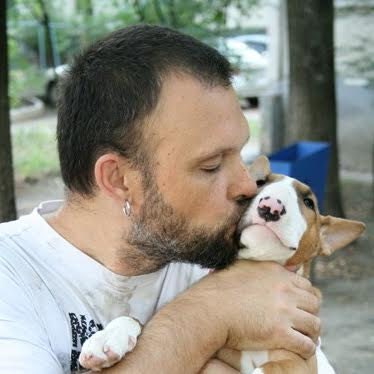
(216, 366)
(250, 306)
(264, 306)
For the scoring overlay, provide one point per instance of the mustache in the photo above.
(241, 208)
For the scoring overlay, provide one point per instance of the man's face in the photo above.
(198, 186)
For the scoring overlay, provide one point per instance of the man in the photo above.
(149, 137)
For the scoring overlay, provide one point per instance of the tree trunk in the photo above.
(45, 21)
(312, 103)
(7, 198)
(140, 11)
(173, 18)
(160, 15)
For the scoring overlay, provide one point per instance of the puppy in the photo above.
(281, 224)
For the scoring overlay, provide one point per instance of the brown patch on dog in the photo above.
(323, 235)
(310, 243)
(259, 169)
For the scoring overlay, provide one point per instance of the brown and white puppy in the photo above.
(283, 224)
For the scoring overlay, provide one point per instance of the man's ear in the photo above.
(259, 168)
(336, 233)
(109, 176)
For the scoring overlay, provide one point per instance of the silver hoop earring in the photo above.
(127, 208)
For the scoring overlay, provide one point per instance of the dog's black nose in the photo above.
(270, 209)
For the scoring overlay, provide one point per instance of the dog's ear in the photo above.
(336, 233)
(259, 168)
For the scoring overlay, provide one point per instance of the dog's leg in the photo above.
(295, 365)
(282, 367)
(107, 347)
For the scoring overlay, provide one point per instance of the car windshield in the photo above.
(246, 54)
(238, 53)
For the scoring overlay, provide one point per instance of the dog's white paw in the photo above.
(108, 346)
(258, 371)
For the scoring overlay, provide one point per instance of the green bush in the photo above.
(34, 151)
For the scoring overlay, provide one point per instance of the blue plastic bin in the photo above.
(305, 161)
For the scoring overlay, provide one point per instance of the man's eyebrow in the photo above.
(219, 151)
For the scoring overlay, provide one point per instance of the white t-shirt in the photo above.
(53, 296)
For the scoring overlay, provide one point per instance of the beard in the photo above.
(160, 236)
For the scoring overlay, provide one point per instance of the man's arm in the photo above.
(249, 306)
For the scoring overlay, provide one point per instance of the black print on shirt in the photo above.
(81, 330)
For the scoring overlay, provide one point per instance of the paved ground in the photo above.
(347, 283)
(348, 324)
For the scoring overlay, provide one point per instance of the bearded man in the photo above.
(149, 137)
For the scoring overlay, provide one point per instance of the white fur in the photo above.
(261, 244)
(258, 371)
(259, 357)
(114, 337)
(273, 240)
(246, 364)
(250, 360)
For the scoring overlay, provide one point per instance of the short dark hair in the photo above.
(113, 85)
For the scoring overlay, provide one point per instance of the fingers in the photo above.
(302, 283)
(307, 324)
(299, 344)
(307, 301)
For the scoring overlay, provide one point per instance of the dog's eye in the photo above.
(309, 203)
(260, 182)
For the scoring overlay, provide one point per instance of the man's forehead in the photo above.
(191, 114)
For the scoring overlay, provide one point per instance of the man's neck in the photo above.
(102, 237)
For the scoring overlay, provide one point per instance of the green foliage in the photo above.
(197, 17)
(88, 20)
(34, 151)
(92, 19)
(25, 79)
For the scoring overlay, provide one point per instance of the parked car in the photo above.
(52, 77)
(247, 53)
(250, 64)
(259, 42)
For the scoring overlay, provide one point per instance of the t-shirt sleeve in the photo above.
(24, 344)
(323, 364)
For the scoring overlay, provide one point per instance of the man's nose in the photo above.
(244, 187)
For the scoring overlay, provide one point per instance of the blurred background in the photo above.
(303, 71)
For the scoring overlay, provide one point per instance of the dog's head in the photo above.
(283, 223)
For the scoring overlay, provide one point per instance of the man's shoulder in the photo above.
(8, 229)
(13, 237)
(20, 242)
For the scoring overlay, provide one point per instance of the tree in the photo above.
(7, 197)
(193, 16)
(39, 11)
(312, 103)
